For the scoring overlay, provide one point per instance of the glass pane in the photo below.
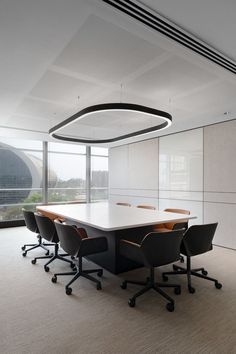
(73, 148)
(20, 178)
(99, 193)
(99, 151)
(99, 178)
(14, 211)
(21, 144)
(58, 195)
(67, 177)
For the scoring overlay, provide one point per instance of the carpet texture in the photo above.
(37, 317)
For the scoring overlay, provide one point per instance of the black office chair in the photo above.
(196, 240)
(48, 231)
(75, 242)
(165, 227)
(155, 250)
(31, 225)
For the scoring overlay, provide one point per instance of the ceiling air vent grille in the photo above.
(161, 25)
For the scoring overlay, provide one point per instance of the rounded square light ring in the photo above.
(105, 107)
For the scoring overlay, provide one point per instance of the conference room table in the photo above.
(114, 222)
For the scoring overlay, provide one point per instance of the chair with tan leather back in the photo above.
(196, 240)
(165, 227)
(155, 250)
(76, 242)
(123, 204)
(146, 207)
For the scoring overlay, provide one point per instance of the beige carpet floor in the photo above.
(37, 317)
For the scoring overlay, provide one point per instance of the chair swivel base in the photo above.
(53, 257)
(36, 245)
(188, 271)
(151, 284)
(80, 272)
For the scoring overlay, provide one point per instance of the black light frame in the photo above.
(112, 107)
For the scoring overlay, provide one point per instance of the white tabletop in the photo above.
(109, 217)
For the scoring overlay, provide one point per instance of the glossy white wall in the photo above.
(133, 173)
(220, 181)
(181, 172)
(192, 170)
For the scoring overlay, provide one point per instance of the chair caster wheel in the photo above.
(46, 268)
(164, 277)
(23, 248)
(100, 273)
(191, 290)
(170, 306)
(72, 265)
(99, 286)
(54, 279)
(47, 253)
(131, 302)
(68, 291)
(177, 290)
(33, 261)
(175, 267)
(181, 259)
(218, 285)
(24, 254)
(204, 272)
(123, 285)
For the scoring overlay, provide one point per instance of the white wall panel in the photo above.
(224, 214)
(118, 167)
(219, 157)
(220, 181)
(181, 195)
(146, 193)
(143, 165)
(181, 172)
(181, 161)
(134, 173)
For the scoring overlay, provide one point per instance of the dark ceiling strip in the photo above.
(165, 28)
(173, 29)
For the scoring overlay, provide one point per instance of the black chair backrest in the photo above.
(198, 239)
(69, 237)
(161, 248)
(30, 221)
(47, 228)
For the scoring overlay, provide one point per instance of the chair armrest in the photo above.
(131, 250)
(130, 243)
(92, 245)
(180, 225)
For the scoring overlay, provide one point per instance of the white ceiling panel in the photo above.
(105, 51)
(216, 99)
(171, 78)
(30, 123)
(61, 88)
(43, 110)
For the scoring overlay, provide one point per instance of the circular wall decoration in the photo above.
(112, 107)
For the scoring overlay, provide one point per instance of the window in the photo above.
(99, 173)
(21, 171)
(66, 173)
(20, 177)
